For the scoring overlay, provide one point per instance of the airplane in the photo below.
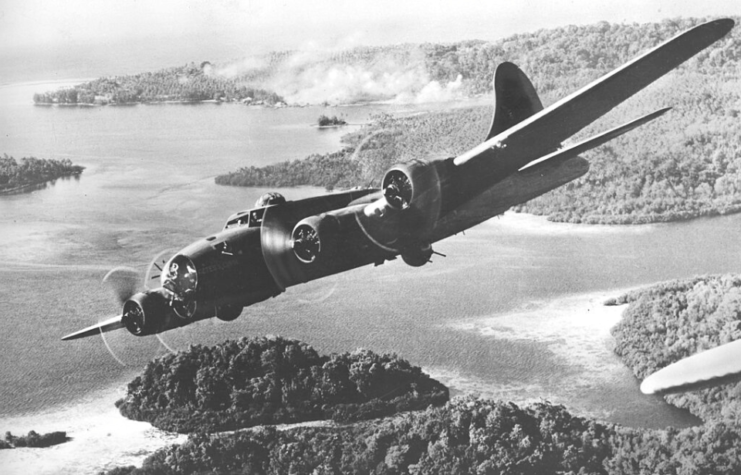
(278, 244)
(709, 368)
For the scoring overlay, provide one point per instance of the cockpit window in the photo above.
(181, 280)
(251, 218)
(256, 216)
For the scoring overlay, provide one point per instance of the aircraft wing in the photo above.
(720, 365)
(532, 180)
(544, 131)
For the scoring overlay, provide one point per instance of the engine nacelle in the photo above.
(228, 313)
(147, 313)
(415, 190)
(417, 256)
(314, 238)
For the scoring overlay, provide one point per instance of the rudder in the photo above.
(516, 99)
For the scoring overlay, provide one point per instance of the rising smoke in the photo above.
(397, 75)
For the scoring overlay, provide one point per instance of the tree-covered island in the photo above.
(248, 382)
(186, 84)
(685, 165)
(16, 176)
(334, 121)
(33, 440)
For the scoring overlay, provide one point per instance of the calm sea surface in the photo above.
(513, 311)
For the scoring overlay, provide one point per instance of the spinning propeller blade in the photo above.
(124, 282)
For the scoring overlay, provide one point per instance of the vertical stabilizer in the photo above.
(516, 98)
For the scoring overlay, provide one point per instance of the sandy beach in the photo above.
(101, 439)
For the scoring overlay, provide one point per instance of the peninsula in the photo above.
(23, 175)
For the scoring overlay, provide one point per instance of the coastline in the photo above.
(100, 438)
(574, 328)
(35, 186)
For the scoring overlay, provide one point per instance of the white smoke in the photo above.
(433, 91)
(320, 75)
(241, 67)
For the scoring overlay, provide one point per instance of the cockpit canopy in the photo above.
(253, 217)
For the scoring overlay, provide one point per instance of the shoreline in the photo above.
(35, 186)
(100, 438)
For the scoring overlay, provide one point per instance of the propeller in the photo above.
(123, 283)
(152, 280)
(155, 269)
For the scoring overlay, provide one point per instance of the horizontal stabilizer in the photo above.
(713, 367)
(548, 128)
(109, 325)
(597, 140)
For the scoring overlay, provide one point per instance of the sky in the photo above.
(56, 39)
(290, 24)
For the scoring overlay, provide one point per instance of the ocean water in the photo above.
(514, 310)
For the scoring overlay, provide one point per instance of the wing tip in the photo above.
(648, 386)
(720, 27)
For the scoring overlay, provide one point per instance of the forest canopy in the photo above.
(15, 175)
(466, 436)
(670, 321)
(255, 381)
(188, 83)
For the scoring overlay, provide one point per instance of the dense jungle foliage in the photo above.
(188, 83)
(673, 320)
(255, 381)
(684, 165)
(467, 436)
(31, 171)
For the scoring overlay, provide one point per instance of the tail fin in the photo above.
(516, 98)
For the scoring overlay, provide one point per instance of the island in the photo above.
(30, 172)
(185, 84)
(33, 440)
(334, 121)
(275, 380)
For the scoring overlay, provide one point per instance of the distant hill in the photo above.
(684, 165)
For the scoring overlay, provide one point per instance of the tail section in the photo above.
(516, 99)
